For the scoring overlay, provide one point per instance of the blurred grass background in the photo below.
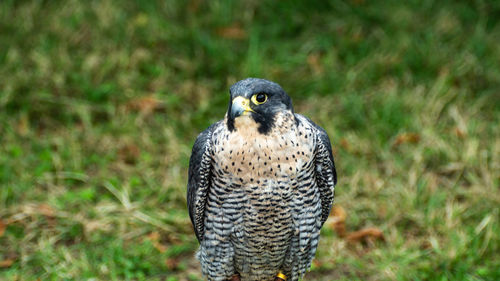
(100, 102)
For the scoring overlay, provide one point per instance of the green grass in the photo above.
(92, 183)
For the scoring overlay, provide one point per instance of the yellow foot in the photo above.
(280, 277)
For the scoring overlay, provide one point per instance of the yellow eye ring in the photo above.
(259, 98)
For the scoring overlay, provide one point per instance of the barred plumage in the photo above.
(260, 187)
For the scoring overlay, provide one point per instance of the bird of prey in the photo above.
(261, 185)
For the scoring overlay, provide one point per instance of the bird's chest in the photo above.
(248, 156)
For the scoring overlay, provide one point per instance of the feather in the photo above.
(199, 179)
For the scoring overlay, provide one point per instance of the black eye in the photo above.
(261, 98)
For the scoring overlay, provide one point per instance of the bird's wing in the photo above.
(326, 175)
(200, 172)
(309, 221)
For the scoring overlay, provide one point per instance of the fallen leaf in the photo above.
(340, 229)
(406, 138)
(160, 247)
(232, 32)
(460, 133)
(49, 212)
(336, 220)
(6, 263)
(338, 214)
(369, 234)
(22, 126)
(46, 210)
(426, 245)
(317, 263)
(154, 237)
(345, 144)
(313, 60)
(3, 226)
(129, 153)
(174, 239)
(145, 105)
(172, 263)
(93, 225)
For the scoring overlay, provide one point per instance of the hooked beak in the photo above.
(240, 106)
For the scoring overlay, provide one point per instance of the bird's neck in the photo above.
(246, 126)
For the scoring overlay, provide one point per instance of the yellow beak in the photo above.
(240, 106)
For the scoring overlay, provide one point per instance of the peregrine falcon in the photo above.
(261, 185)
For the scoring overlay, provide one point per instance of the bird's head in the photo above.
(258, 99)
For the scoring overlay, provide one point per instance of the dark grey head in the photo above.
(260, 99)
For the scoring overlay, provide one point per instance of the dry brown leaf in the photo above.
(425, 245)
(345, 144)
(93, 225)
(160, 247)
(460, 133)
(6, 263)
(234, 31)
(406, 138)
(46, 210)
(172, 263)
(338, 214)
(154, 237)
(340, 229)
(317, 263)
(22, 126)
(174, 239)
(145, 105)
(313, 60)
(369, 234)
(129, 153)
(49, 212)
(336, 220)
(3, 226)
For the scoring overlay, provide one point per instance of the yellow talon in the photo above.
(281, 276)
